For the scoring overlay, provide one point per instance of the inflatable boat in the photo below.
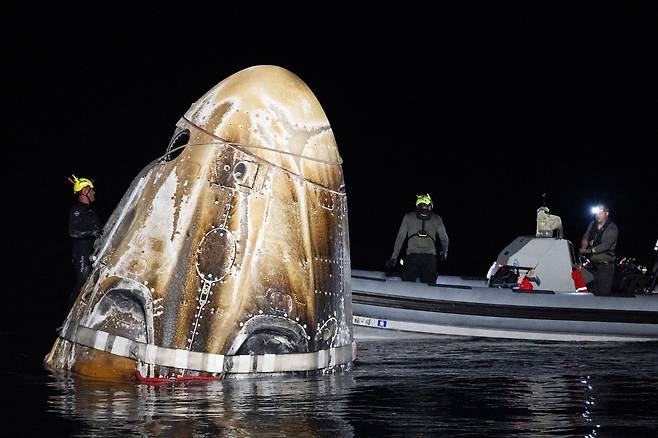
(535, 290)
(458, 306)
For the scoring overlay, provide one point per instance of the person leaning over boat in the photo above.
(420, 227)
(598, 244)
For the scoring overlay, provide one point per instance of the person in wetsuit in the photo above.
(598, 244)
(84, 228)
(420, 228)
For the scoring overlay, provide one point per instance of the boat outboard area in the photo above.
(534, 290)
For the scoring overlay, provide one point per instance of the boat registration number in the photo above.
(371, 322)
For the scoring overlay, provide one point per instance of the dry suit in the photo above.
(84, 228)
(602, 242)
(420, 260)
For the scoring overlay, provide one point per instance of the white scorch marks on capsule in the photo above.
(233, 244)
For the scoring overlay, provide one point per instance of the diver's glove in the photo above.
(443, 255)
(585, 251)
(390, 263)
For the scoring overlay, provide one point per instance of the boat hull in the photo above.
(468, 308)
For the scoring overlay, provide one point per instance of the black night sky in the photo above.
(483, 107)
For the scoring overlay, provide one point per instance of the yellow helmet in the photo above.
(80, 183)
(423, 199)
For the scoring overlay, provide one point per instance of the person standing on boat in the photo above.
(420, 228)
(598, 244)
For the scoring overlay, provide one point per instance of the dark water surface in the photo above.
(430, 386)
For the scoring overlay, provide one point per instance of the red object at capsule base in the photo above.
(156, 380)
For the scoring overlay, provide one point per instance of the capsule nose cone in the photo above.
(271, 113)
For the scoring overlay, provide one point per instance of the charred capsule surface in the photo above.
(230, 254)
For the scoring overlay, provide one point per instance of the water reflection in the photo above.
(588, 405)
(265, 406)
(446, 387)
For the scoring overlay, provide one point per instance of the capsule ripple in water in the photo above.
(230, 254)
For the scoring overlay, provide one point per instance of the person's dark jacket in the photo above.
(411, 226)
(602, 243)
(84, 228)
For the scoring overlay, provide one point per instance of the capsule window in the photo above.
(240, 171)
(176, 145)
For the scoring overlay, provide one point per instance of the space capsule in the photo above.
(228, 254)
